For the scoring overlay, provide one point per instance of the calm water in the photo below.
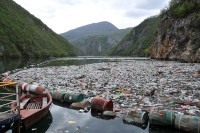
(62, 119)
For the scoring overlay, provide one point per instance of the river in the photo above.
(62, 119)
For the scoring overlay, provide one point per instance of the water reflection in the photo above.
(99, 114)
(142, 126)
(69, 120)
(159, 129)
(11, 64)
(62, 104)
(42, 126)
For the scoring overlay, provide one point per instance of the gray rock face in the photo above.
(177, 39)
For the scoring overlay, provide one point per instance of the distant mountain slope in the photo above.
(96, 38)
(138, 41)
(101, 28)
(94, 45)
(23, 35)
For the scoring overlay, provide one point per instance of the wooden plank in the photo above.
(7, 84)
(44, 102)
(23, 103)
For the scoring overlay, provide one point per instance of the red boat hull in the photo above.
(32, 116)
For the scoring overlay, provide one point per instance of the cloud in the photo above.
(139, 13)
(68, 2)
(151, 4)
(64, 15)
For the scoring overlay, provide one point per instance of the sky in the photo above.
(64, 15)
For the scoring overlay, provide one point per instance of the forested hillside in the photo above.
(23, 35)
(139, 40)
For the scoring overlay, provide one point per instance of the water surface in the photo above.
(62, 119)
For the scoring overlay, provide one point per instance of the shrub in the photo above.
(181, 9)
(147, 51)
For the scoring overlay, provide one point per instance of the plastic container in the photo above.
(70, 97)
(101, 104)
(39, 90)
(187, 123)
(162, 117)
(33, 88)
(136, 116)
(5, 79)
(27, 87)
(22, 86)
(6, 74)
(58, 95)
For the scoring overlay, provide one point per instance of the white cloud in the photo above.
(64, 15)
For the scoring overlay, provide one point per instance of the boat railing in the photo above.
(9, 102)
(5, 97)
(9, 98)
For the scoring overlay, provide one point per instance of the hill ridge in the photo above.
(24, 35)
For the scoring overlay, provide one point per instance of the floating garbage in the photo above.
(71, 122)
(58, 95)
(6, 74)
(81, 105)
(136, 117)
(99, 114)
(34, 129)
(71, 97)
(66, 96)
(198, 71)
(6, 79)
(168, 87)
(187, 123)
(24, 86)
(101, 104)
(162, 117)
(31, 88)
(109, 114)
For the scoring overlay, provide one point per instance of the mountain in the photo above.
(101, 28)
(94, 45)
(96, 38)
(23, 35)
(178, 36)
(138, 41)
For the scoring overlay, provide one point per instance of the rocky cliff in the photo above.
(178, 34)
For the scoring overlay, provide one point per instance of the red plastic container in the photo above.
(39, 90)
(101, 104)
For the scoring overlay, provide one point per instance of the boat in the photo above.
(33, 108)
